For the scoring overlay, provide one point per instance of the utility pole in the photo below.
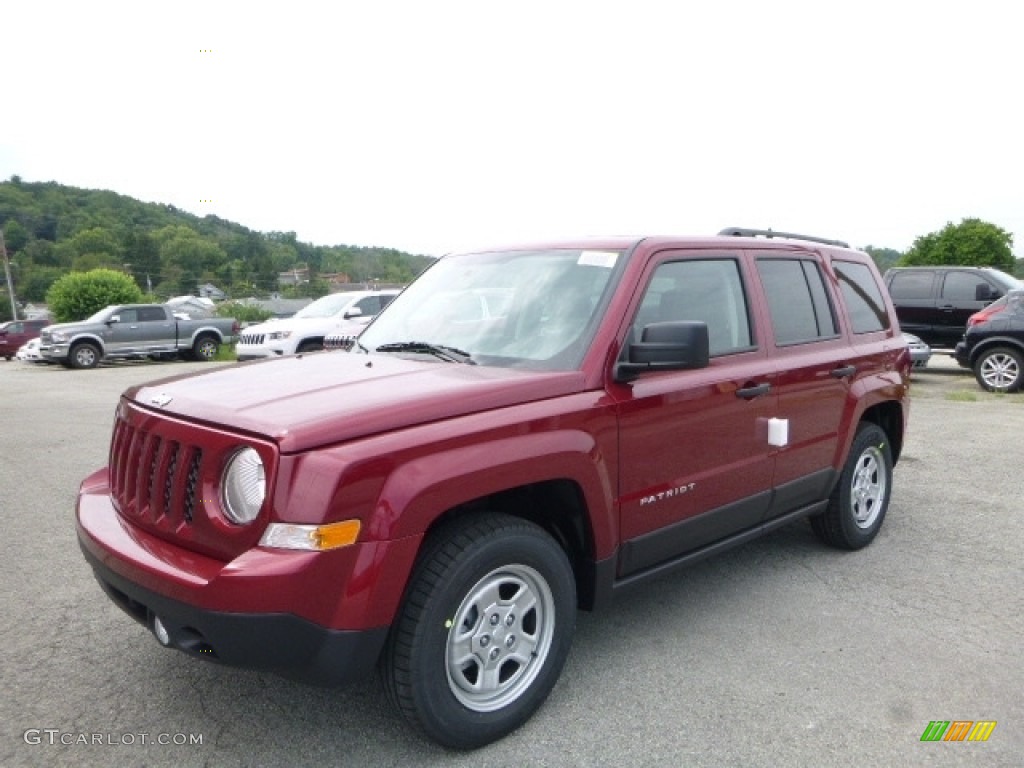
(7, 274)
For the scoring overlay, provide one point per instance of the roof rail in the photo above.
(745, 232)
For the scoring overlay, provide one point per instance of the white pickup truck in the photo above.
(135, 330)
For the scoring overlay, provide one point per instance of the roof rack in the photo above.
(745, 232)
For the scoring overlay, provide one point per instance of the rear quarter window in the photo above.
(863, 296)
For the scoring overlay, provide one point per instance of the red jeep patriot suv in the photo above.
(522, 433)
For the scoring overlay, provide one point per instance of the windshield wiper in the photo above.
(450, 354)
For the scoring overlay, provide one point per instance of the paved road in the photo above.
(781, 653)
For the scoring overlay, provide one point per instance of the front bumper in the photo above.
(54, 351)
(319, 617)
(280, 643)
(962, 356)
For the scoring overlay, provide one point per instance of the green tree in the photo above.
(243, 313)
(80, 294)
(883, 257)
(15, 236)
(972, 243)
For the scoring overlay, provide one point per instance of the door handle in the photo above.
(754, 390)
(842, 373)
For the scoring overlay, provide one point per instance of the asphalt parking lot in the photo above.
(780, 653)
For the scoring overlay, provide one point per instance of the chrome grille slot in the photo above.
(169, 479)
(192, 484)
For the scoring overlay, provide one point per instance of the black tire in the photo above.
(858, 504)
(84, 354)
(1000, 369)
(310, 345)
(461, 663)
(205, 348)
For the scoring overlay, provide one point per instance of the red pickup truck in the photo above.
(438, 501)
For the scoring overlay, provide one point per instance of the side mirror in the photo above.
(985, 292)
(354, 312)
(113, 319)
(672, 346)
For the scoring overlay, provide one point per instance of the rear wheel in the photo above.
(483, 632)
(84, 354)
(1000, 369)
(859, 502)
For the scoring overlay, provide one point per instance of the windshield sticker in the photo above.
(604, 259)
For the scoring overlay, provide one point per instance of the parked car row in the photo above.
(974, 312)
(16, 333)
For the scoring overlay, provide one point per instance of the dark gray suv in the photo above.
(934, 303)
(994, 344)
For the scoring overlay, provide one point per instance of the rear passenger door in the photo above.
(815, 368)
(913, 294)
(694, 458)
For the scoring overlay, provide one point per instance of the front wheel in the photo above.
(859, 501)
(1000, 370)
(84, 355)
(205, 349)
(483, 632)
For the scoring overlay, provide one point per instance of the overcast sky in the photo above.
(437, 126)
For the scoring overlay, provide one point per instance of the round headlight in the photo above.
(244, 486)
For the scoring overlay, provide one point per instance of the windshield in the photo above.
(533, 309)
(326, 306)
(100, 316)
(1009, 282)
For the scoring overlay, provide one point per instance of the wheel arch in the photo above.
(557, 506)
(992, 342)
(96, 341)
(889, 416)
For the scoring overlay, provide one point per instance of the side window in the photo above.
(151, 314)
(911, 285)
(369, 306)
(128, 315)
(708, 290)
(15, 328)
(961, 286)
(797, 300)
(863, 297)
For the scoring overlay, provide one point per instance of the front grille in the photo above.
(165, 474)
(251, 338)
(339, 342)
(154, 480)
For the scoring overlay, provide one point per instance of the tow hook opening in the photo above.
(160, 632)
(187, 639)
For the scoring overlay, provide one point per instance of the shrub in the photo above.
(77, 295)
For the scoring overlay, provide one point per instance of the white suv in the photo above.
(305, 330)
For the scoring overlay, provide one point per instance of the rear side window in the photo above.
(151, 314)
(911, 285)
(797, 300)
(863, 297)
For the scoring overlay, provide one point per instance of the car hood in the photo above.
(290, 324)
(66, 327)
(311, 400)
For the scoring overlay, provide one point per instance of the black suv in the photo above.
(934, 303)
(994, 344)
